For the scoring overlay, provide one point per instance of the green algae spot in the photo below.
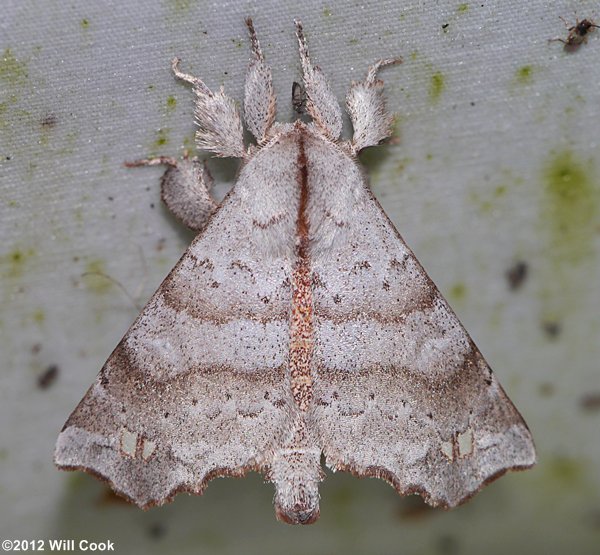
(353, 41)
(76, 481)
(78, 215)
(395, 128)
(162, 137)
(13, 75)
(488, 201)
(13, 264)
(462, 8)
(524, 75)
(238, 42)
(189, 142)
(327, 12)
(96, 279)
(565, 471)
(571, 207)
(12, 72)
(458, 291)
(171, 103)
(180, 6)
(402, 164)
(568, 218)
(500, 191)
(85, 23)
(39, 316)
(546, 389)
(436, 86)
(486, 207)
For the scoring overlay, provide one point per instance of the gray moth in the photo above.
(298, 324)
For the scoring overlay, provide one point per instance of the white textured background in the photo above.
(495, 161)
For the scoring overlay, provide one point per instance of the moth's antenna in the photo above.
(255, 45)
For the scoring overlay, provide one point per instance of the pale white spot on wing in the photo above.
(128, 442)
(465, 442)
(148, 449)
(79, 447)
(447, 449)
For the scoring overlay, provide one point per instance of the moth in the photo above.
(578, 33)
(297, 325)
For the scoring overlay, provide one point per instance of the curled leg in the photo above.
(366, 105)
(185, 188)
(219, 124)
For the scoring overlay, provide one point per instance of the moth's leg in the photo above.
(366, 105)
(184, 188)
(259, 98)
(219, 124)
(321, 104)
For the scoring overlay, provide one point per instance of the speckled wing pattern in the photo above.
(297, 324)
(197, 388)
(400, 390)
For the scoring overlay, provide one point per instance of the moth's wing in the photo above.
(400, 390)
(197, 388)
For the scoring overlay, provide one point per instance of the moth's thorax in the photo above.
(333, 182)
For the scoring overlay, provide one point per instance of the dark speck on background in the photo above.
(447, 545)
(516, 275)
(552, 329)
(590, 402)
(48, 377)
(157, 530)
(49, 120)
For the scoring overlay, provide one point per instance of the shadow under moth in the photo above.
(297, 325)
